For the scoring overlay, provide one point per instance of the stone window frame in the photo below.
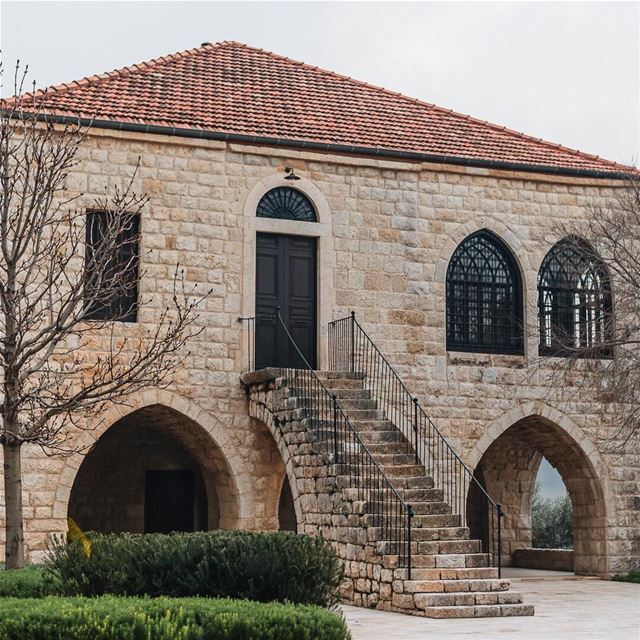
(322, 230)
(518, 298)
(563, 260)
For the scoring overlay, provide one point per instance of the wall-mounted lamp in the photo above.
(290, 174)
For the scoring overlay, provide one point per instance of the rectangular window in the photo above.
(111, 267)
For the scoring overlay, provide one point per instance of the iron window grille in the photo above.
(111, 267)
(286, 203)
(484, 297)
(574, 302)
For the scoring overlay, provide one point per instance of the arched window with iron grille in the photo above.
(286, 203)
(574, 301)
(484, 297)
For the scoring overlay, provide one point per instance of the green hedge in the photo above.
(25, 583)
(278, 566)
(112, 618)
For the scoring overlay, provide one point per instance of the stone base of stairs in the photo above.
(450, 576)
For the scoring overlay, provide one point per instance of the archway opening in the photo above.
(155, 470)
(286, 511)
(508, 470)
(551, 511)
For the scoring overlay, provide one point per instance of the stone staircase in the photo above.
(450, 577)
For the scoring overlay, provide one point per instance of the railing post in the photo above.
(500, 515)
(415, 428)
(409, 520)
(353, 341)
(335, 429)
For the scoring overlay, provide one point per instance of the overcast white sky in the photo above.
(568, 72)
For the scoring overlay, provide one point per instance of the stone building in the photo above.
(277, 184)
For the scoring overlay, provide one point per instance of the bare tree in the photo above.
(595, 323)
(64, 348)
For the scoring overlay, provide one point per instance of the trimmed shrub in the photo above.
(25, 583)
(111, 618)
(279, 566)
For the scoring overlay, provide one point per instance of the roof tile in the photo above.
(236, 89)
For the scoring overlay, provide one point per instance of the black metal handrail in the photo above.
(321, 412)
(351, 349)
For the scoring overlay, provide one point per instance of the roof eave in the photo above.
(337, 148)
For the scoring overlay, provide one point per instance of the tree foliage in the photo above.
(552, 521)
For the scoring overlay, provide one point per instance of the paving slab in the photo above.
(565, 610)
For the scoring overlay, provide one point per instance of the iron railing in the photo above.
(351, 349)
(319, 408)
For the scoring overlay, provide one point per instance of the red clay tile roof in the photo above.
(230, 88)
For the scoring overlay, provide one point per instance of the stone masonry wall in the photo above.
(386, 232)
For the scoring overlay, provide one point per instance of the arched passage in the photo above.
(154, 469)
(508, 469)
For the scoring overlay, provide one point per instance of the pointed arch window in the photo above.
(286, 203)
(574, 301)
(484, 297)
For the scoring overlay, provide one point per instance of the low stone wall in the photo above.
(548, 559)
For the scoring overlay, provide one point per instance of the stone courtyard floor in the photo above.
(566, 608)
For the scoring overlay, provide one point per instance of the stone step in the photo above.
(340, 375)
(388, 447)
(424, 533)
(480, 611)
(393, 459)
(481, 598)
(367, 426)
(342, 383)
(346, 480)
(431, 563)
(355, 394)
(434, 547)
(415, 495)
(420, 509)
(420, 524)
(403, 470)
(426, 579)
(379, 436)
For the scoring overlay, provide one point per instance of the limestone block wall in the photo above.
(386, 232)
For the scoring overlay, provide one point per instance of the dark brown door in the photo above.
(168, 501)
(285, 278)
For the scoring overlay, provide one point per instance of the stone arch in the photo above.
(262, 415)
(508, 456)
(219, 453)
(520, 254)
(322, 230)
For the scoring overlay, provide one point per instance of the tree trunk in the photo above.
(14, 547)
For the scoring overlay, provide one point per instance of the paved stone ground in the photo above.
(565, 609)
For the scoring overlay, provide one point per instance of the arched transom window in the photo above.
(574, 301)
(286, 203)
(484, 297)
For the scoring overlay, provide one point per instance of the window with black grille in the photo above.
(111, 267)
(574, 302)
(287, 204)
(484, 297)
